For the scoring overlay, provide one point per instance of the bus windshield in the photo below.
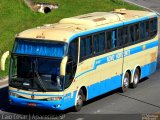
(35, 73)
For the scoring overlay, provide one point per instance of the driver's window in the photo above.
(73, 51)
(72, 62)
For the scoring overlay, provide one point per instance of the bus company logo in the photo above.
(32, 96)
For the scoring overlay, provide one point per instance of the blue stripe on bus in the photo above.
(108, 27)
(104, 60)
(104, 86)
(115, 82)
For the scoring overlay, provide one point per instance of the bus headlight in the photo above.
(54, 98)
(13, 94)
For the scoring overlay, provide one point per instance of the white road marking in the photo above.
(98, 111)
(80, 119)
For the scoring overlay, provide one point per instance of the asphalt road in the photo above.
(132, 105)
(151, 4)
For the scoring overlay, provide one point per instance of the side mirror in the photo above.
(3, 60)
(63, 66)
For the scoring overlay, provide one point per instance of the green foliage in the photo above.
(15, 16)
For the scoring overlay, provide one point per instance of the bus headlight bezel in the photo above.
(14, 94)
(54, 98)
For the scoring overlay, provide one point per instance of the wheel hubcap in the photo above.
(126, 82)
(79, 100)
(136, 79)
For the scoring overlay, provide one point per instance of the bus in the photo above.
(62, 65)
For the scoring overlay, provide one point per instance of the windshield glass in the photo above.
(35, 73)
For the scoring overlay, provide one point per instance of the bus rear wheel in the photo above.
(126, 81)
(136, 79)
(79, 101)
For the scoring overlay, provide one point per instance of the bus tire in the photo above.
(126, 81)
(79, 101)
(136, 79)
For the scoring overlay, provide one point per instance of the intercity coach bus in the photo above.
(62, 65)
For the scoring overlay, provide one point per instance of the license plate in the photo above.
(32, 104)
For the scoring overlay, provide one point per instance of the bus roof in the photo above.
(66, 28)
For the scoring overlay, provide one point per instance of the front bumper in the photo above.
(53, 105)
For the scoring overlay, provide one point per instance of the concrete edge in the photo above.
(3, 79)
(3, 86)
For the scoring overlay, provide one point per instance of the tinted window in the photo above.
(85, 47)
(147, 29)
(73, 50)
(88, 46)
(71, 63)
(82, 48)
(126, 39)
(120, 37)
(96, 43)
(142, 30)
(111, 39)
(114, 39)
(153, 27)
(137, 32)
(101, 42)
(131, 30)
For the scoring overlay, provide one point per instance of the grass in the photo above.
(15, 16)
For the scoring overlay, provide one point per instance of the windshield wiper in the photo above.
(38, 77)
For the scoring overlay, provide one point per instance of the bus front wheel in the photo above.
(126, 81)
(79, 101)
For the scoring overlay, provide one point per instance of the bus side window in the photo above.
(69, 74)
(126, 39)
(72, 62)
(131, 30)
(109, 40)
(85, 47)
(114, 39)
(120, 37)
(153, 27)
(155, 24)
(96, 43)
(101, 42)
(147, 29)
(142, 30)
(82, 48)
(137, 32)
(73, 50)
(88, 46)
